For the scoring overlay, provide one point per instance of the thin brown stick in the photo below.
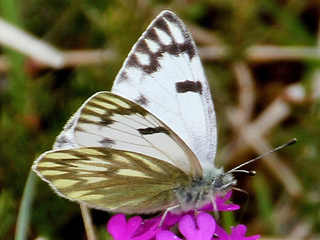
(316, 74)
(301, 230)
(22, 41)
(88, 57)
(295, 93)
(87, 221)
(71, 59)
(246, 91)
(263, 53)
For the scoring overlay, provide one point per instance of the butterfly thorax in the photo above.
(202, 190)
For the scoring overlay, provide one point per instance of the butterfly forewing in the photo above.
(163, 73)
(110, 121)
(111, 180)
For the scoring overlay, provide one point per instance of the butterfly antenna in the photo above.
(252, 173)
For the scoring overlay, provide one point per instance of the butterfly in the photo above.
(149, 144)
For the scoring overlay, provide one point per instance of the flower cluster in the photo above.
(203, 227)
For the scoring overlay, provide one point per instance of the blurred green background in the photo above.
(36, 101)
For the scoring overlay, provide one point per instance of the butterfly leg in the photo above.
(197, 205)
(215, 209)
(166, 213)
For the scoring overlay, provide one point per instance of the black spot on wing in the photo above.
(61, 141)
(143, 47)
(141, 100)
(161, 24)
(123, 77)
(152, 35)
(107, 142)
(70, 123)
(147, 68)
(189, 86)
(152, 130)
(188, 48)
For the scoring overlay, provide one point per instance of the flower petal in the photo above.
(149, 233)
(120, 229)
(204, 229)
(239, 231)
(167, 235)
(221, 233)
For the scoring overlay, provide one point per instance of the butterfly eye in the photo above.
(224, 181)
(218, 182)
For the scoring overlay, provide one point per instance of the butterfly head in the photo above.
(223, 182)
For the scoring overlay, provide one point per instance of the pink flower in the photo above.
(237, 233)
(120, 229)
(200, 229)
(203, 227)
(172, 219)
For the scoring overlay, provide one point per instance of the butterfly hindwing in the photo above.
(163, 73)
(111, 180)
(110, 121)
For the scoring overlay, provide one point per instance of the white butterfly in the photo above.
(150, 144)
